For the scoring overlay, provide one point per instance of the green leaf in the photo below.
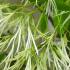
(28, 66)
(42, 23)
(62, 5)
(2, 56)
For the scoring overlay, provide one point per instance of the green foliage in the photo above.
(26, 43)
(42, 24)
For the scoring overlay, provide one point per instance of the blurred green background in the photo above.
(10, 1)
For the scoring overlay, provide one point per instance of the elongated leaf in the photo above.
(42, 23)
